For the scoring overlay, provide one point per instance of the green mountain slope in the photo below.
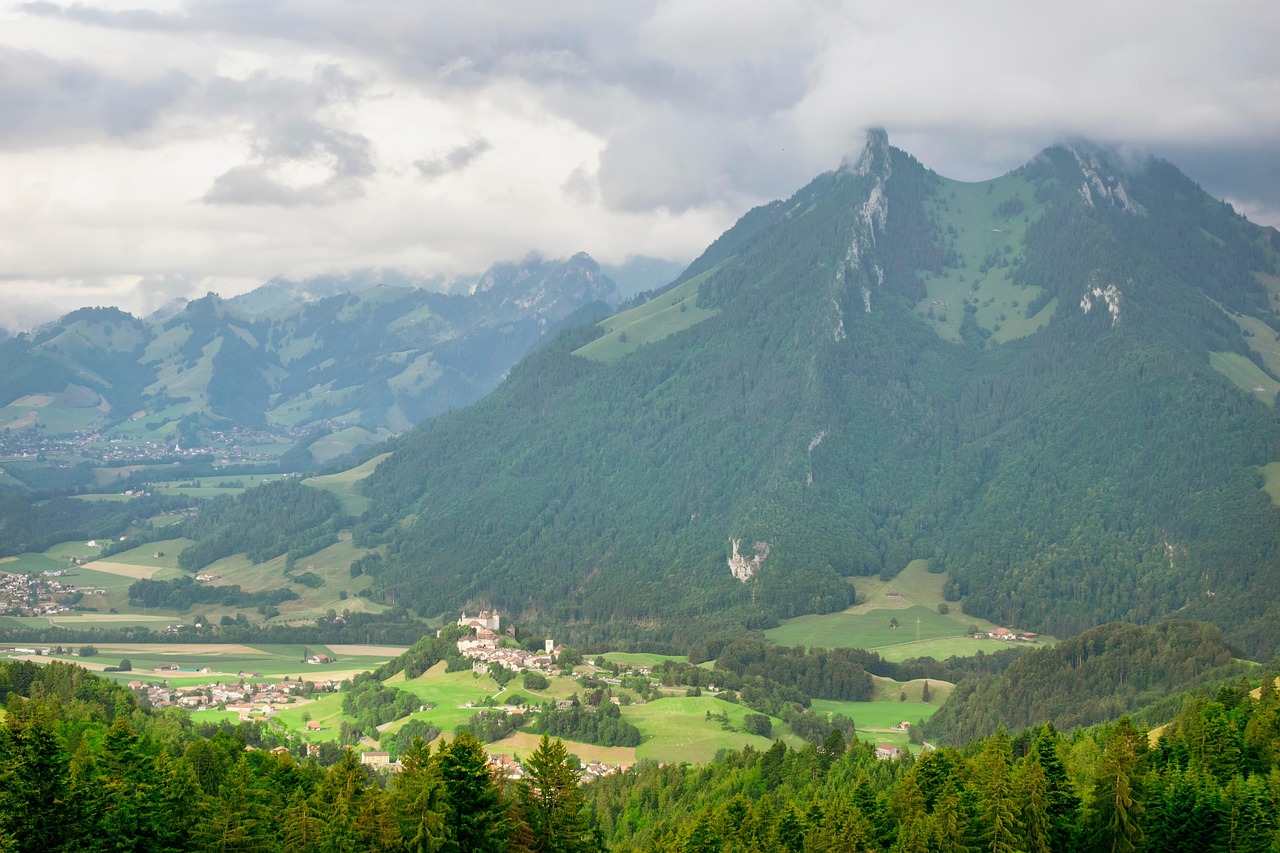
(1078, 462)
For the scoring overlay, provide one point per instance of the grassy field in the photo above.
(326, 709)
(343, 485)
(272, 661)
(677, 729)
(660, 317)
(1270, 481)
(144, 556)
(967, 212)
(642, 658)
(342, 442)
(911, 599)
(448, 692)
(1245, 375)
(206, 488)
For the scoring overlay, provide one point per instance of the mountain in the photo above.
(290, 363)
(1056, 385)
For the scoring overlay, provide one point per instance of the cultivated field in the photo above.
(271, 661)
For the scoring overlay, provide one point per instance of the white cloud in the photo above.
(182, 146)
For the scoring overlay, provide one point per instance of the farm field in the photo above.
(641, 658)
(325, 709)
(911, 601)
(143, 557)
(677, 729)
(272, 661)
(206, 488)
(448, 692)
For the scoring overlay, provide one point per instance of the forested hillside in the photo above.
(1098, 676)
(822, 417)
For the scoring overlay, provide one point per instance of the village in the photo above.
(39, 595)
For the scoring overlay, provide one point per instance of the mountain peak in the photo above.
(874, 156)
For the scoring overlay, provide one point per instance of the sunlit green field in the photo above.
(910, 601)
(677, 729)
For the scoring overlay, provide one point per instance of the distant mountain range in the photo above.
(359, 357)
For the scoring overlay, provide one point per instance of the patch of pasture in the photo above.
(323, 708)
(343, 484)
(664, 315)
(522, 744)
(145, 555)
(677, 729)
(1245, 375)
(637, 659)
(448, 693)
(1271, 481)
(898, 619)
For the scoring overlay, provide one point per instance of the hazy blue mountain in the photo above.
(353, 359)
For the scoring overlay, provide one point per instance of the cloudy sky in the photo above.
(165, 148)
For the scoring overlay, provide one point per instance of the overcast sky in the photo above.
(158, 149)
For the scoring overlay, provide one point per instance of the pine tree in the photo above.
(1033, 793)
(1000, 832)
(551, 801)
(301, 827)
(1115, 826)
(418, 800)
(33, 781)
(1062, 803)
(476, 819)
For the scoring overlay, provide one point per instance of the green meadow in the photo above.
(1271, 481)
(910, 601)
(343, 485)
(270, 661)
(660, 317)
(635, 659)
(1245, 375)
(975, 218)
(677, 729)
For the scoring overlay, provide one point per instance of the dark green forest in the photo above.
(84, 767)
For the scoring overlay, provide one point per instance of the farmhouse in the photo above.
(886, 751)
(319, 659)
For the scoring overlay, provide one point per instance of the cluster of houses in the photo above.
(1007, 635)
(37, 595)
(247, 699)
(483, 647)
